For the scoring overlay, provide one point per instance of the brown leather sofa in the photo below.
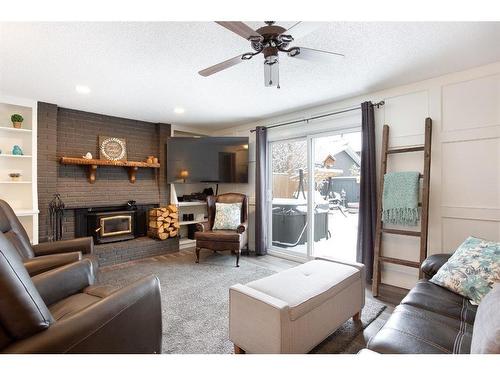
(429, 320)
(62, 311)
(45, 256)
(223, 240)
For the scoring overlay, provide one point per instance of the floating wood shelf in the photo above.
(92, 164)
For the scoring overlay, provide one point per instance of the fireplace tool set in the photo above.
(56, 218)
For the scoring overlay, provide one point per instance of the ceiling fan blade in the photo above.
(240, 28)
(301, 28)
(221, 66)
(312, 54)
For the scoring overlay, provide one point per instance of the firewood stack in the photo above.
(163, 222)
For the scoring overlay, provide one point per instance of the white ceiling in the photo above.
(145, 70)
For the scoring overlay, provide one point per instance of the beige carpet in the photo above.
(195, 300)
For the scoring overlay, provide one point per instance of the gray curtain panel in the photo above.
(261, 191)
(368, 191)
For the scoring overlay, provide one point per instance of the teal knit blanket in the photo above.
(400, 198)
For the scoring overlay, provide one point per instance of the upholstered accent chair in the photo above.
(223, 240)
(45, 256)
(62, 311)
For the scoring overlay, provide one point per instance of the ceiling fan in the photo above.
(270, 40)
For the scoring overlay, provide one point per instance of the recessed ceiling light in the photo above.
(82, 89)
(179, 110)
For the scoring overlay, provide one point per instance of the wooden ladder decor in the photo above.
(424, 217)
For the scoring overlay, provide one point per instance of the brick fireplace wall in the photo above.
(67, 132)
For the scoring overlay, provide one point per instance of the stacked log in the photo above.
(163, 222)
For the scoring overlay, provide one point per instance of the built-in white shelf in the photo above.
(15, 130)
(189, 204)
(15, 182)
(22, 194)
(25, 212)
(191, 222)
(186, 241)
(15, 156)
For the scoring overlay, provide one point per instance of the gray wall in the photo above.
(67, 132)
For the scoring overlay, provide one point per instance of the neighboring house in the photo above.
(349, 161)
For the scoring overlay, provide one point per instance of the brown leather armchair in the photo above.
(223, 240)
(61, 311)
(47, 255)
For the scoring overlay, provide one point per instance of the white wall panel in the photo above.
(471, 173)
(456, 230)
(472, 104)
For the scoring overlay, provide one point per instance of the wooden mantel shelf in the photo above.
(92, 165)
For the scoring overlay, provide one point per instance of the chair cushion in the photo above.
(307, 286)
(227, 216)
(412, 330)
(472, 269)
(218, 236)
(486, 336)
(72, 305)
(428, 296)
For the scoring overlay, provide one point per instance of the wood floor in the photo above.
(389, 296)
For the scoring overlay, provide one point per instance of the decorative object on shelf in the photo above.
(15, 176)
(16, 150)
(17, 120)
(184, 175)
(88, 156)
(56, 218)
(150, 159)
(155, 160)
(163, 222)
(111, 148)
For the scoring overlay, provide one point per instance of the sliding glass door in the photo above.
(337, 161)
(315, 214)
(289, 208)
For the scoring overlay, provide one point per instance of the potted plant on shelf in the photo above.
(17, 120)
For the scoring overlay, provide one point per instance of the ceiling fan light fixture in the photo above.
(271, 71)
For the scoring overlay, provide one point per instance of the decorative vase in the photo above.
(15, 176)
(17, 124)
(16, 150)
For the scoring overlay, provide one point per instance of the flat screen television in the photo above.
(207, 160)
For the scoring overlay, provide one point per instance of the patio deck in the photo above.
(341, 244)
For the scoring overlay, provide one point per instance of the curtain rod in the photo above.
(378, 105)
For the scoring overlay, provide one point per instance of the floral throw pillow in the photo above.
(227, 216)
(472, 269)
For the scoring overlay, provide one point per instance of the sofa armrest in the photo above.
(128, 321)
(63, 282)
(433, 263)
(250, 308)
(85, 245)
(45, 263)
(242, 227)
(202, 227)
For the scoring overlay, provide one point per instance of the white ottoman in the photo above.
(295, 310)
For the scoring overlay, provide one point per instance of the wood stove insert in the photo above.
(112, 223)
